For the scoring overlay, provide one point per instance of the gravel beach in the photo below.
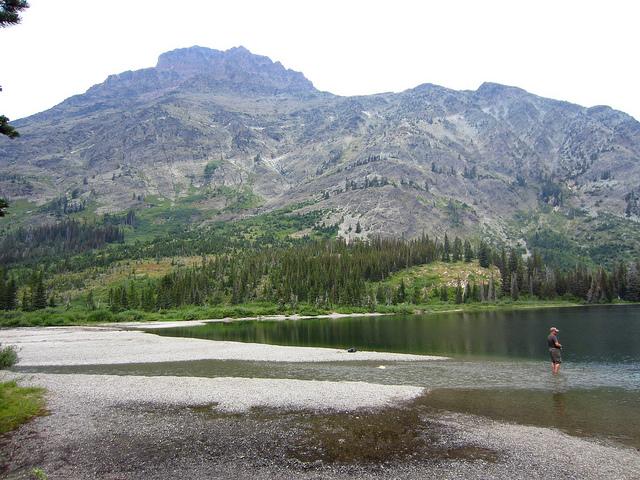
(226, 394)
(103, 345)
(131, 427)
(89, 435)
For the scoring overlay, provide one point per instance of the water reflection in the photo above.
(591, 334)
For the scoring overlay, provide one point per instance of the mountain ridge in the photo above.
(425, 159)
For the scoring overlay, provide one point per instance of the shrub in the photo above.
(129, 316)
(8, 356)
(191, 315)
(100, 316)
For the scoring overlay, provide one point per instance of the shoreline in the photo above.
(136, 319)
(105, 426)
(93, 345)
(183, 426)
(158, 324)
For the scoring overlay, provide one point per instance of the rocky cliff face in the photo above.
(203, 122)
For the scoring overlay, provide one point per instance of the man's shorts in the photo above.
(555, 355)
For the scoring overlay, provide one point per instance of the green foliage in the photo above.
(18, 405)
(8, 356)
(210, 168)
(468, 252)
(556, 249)
(34, 245)
(8, 292)
(551, 193)
(100, 316)
(6, 129)
(38, 474)
(324, 273)
(484, 254)
(10, 11)
(238, 199)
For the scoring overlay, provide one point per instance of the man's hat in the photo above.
(554, 329)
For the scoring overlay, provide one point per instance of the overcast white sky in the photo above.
(581, 51)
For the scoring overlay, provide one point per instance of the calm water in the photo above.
(590, 334)
(499, 364)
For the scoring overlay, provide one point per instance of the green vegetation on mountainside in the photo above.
(571, 237)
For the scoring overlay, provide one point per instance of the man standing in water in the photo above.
(554, 349)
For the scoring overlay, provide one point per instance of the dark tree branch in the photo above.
(10, 11)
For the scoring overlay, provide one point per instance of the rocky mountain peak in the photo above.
(491, 90)
(236, 66)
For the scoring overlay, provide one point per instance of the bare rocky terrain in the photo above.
(205, 125)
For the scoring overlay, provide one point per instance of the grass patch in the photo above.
(438, 273)
(18, 405)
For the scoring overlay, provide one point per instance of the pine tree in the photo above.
(515, 292)
(9, 15)
(380, 297)
(3, 288)
(619, 279)
(468, 251)
(26, 303)
(91, 304)
(458, 293)
(525, 284)
(466, 292)
(457, 250)
(38, 293)
(505, 273)
(444, 293)
(591, 294)
(10, 301)
(491, 292)
(548, 288)
(446, 249)
(530, 286)
(484, 255)
(632, 291)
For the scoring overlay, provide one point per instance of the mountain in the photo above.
(225, 134)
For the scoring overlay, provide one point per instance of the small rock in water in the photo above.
(352, 350)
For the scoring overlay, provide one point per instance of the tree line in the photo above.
(332, 272)
(33, 244)
(329, 273)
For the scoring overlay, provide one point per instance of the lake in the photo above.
(499, 367)
(499, 363)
